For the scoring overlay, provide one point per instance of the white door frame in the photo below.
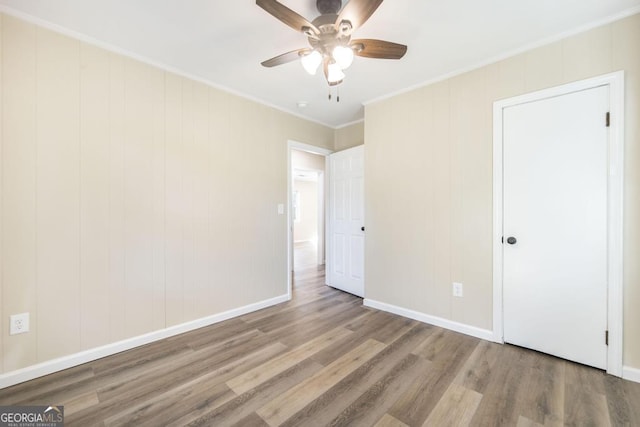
(321, 217)
(294, 145)
(615, 81)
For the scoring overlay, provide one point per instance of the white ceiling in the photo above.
(223, 42)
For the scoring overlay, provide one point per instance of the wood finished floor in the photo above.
(324, 359)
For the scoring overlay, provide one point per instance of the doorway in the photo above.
(306, 209)
(558, 221)
(308, 213)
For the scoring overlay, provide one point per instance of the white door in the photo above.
(345, 246)
(555, 154)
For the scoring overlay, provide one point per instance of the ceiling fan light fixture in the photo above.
(311, 61)
(343, 55)
(334, 73)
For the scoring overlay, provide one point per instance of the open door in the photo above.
(345, 240)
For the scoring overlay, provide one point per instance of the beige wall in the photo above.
(429, 178)
(307, 228)
(349, 136)
(132, 199)
(308, 161)
(311, 162)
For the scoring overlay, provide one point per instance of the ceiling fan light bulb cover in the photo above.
(334, 73)
(311, 62)
(343, 56)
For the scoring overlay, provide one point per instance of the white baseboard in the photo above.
(631, 374)
(474, 331)
(45, 368)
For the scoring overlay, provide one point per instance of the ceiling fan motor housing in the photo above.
(328, 6)
(329, 36)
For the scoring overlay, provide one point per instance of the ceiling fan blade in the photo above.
(371, 48)
(286, 15)
(284, 58)
(358, 12)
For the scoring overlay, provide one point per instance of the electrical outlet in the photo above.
(458, 290)
(19, 323)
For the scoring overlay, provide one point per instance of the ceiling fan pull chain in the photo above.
(338, 91)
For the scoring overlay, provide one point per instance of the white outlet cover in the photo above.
(458, 290)
(18, 323)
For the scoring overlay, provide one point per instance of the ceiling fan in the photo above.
(329, 37)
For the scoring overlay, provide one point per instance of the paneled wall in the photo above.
(306, 227)
(349, 136)
(309, 161)
(429, 178)
(132, 199)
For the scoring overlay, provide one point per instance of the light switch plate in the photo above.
(458, 289)
(280, 209)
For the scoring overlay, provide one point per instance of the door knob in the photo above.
(511, 240)
(362, 228)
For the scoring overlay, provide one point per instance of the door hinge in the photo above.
(606, 337)
(608, 119)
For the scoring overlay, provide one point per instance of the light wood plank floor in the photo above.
(324, 359)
